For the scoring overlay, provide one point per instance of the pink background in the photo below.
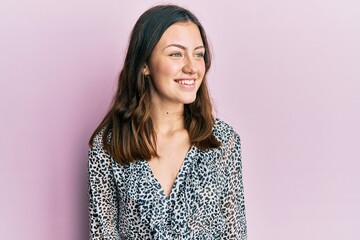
(286, 75)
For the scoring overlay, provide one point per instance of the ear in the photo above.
(146, 70)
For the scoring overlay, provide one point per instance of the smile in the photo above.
(186, 81)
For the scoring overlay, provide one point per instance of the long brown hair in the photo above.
(128, 120)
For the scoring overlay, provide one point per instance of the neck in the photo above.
(167, 119)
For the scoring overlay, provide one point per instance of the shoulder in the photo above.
(97, 141)
(230, 149)
(224, 132)
(97, 154)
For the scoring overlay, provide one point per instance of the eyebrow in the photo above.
(182, 47)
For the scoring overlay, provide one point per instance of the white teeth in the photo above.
(186, 82)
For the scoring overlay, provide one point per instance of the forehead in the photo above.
(186, 33)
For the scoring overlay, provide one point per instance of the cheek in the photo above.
(201, 68)
(166, 69)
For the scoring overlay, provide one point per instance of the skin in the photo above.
(177, 56)
(176, 69)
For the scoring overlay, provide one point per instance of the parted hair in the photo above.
(128, 122)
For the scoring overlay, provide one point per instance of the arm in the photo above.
(103, 203)
(233, 205)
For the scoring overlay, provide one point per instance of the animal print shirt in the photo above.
(206, 200)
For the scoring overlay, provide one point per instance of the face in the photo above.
(177, 65)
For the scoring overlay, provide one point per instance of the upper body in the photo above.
(206, 200)
(160, 165)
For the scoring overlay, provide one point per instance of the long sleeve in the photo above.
(103, 203)
(234, 205)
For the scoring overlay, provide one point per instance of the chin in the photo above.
(189, 100)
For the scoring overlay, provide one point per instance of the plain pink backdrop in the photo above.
(286, 75)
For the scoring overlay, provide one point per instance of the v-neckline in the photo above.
(155, 182)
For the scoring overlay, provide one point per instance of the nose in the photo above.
(189, 66)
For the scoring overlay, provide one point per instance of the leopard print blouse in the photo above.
(206, 201)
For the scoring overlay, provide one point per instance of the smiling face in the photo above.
(176, 66)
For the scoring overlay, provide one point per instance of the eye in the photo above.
(199, 55)
(176, 54)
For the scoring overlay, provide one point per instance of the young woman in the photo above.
(160, 165)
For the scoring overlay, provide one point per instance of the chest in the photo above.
(166, 166)
(193, 203)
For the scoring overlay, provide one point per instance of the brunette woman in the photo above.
(160, 165)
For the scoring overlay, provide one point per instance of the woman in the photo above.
(160, 165)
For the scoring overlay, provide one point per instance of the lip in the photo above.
(187, 83)
(177, 79)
